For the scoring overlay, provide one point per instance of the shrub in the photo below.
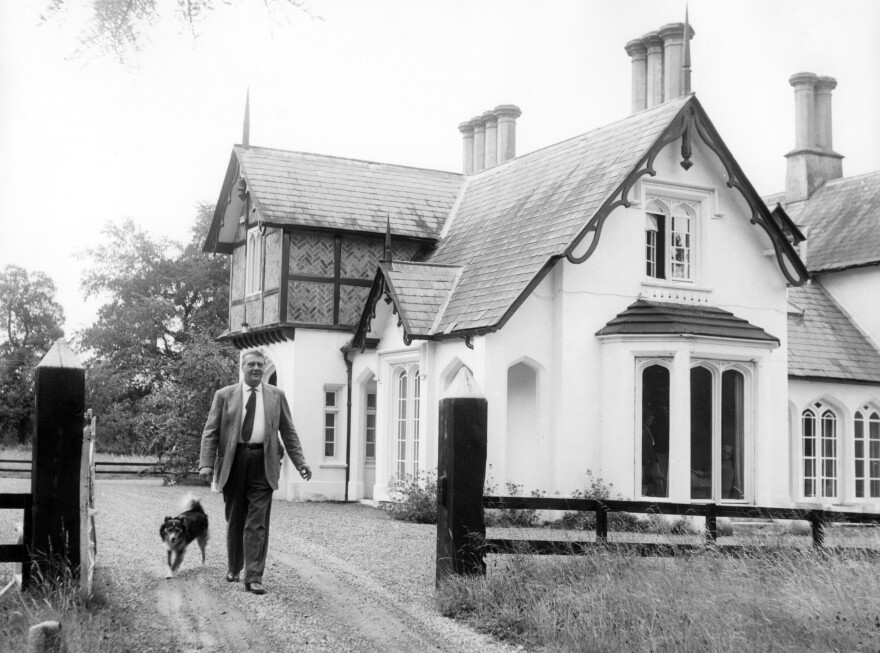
(514, 517)
(598, 490)
(414, 499)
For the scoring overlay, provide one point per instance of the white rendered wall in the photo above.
(856, 292)
(305, 366)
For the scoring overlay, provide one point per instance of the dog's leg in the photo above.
(202, 540)
(170, 573)
(178, 560)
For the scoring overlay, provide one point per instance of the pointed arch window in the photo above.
(819, 441)
(407, 423)
(254, 265)
(866, 451)
(669, 240)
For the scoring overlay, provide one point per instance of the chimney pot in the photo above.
(654, 70)
(490, 120)
(639, 54)
(507, 115)
(479, 143)
(467, 132)
(823, 88)
(673, 59)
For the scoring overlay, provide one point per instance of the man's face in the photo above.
(252, 366)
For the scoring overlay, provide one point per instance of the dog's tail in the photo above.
(190, 502)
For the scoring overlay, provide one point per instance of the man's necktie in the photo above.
(247, 426)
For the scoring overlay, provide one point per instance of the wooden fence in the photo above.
(818, 519)
(20, 468)
(18, 553)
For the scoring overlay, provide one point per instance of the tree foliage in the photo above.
(120, 27)
(31, 322)
(155, 362)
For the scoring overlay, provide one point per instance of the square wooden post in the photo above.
(461, 475)
(57, 455)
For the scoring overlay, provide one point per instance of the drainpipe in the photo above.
(346, 350)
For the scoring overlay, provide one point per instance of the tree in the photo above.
(31, 322)
(120, 26)
(156, 363)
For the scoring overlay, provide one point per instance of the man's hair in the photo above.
(254, 352)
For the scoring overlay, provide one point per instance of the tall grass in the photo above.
(778, 600)
(88, 624)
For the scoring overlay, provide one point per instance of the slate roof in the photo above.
(516, 218)
(823, 342)
(420, 292)
(843, 221)
(311, 190)
(656, 318)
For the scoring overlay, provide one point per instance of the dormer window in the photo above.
(254, 266)
(669, 240)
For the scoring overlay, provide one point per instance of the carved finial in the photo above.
(386, 256)
(246, 127)
(686, 68)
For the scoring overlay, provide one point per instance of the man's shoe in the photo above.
(254, 588)
(231, 578)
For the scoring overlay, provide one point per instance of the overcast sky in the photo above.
(85, 141)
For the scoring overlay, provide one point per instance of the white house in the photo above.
(622, 299)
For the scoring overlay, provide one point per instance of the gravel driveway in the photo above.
(340, 577)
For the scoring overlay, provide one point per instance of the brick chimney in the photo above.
(489, 139)
(813, 160)
(658, 63)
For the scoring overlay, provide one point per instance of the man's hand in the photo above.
(305, 472)
(205, 473)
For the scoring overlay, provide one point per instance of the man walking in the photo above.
(240, 449)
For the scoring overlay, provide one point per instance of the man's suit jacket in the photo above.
(220, 436)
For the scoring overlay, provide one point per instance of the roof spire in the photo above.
(246, 128)
(387, 255)
(686, 68)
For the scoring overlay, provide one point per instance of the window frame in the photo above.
(405, 421)
(662, 198)
(819, 413)
(255, 246)
(680, 406)
(331, 432)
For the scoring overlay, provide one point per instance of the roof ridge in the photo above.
(345, 159)
(682, 99)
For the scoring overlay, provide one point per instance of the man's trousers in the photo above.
(248, 498)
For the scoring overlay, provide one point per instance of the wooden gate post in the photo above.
(57, 455)
(461, 475)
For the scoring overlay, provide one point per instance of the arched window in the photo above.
(866, 432)
(669, 240)
(407, 400)
(655, 431)
(819, 440)
(254, 265)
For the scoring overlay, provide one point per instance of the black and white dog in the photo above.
(178, 532)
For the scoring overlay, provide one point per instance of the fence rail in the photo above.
(818, 519)
(18, 553)
(101, 467)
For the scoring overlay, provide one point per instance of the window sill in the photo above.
(332, 465)
(662, 290)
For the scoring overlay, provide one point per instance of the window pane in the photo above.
(330, 399)
(701, 433)
(371, 400)
(655, 431)
(732, 435)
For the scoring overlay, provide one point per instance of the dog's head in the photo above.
(172, 530)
